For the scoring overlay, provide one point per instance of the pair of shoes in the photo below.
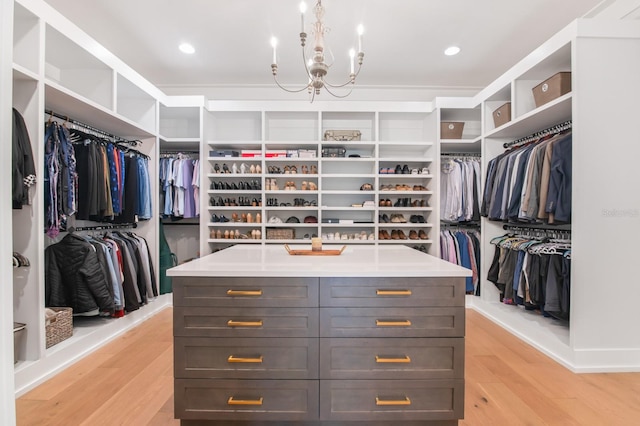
(402, 187)
(398, 218)
(290, 186)
(416, 218)
(290, 170)
(398, 234)
(383, 218)
(420, 188)
(383, 235)
(385, 203)
(402, 170)
(256, 234)
(366, 187)
(274, 170)
(402, 202)
(271, 184)
(419, 203)
(386, 187)
(309, 186)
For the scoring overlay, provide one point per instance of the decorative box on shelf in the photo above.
(334, 152)
(342, 135)
(451, 129)
(552, 88)
(502, 115)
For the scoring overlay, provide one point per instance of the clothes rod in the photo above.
(85, 126)
(461, 154)
(558, 128)
(537, 227)
(73, 229)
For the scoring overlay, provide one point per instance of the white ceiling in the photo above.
(403, 41)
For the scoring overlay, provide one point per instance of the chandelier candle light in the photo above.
(314, 61)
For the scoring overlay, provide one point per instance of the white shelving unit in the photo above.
(598, 338)
(388, 138)
(180, 129)
(57, 71)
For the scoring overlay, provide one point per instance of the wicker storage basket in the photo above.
(60, 326)
(280, 234)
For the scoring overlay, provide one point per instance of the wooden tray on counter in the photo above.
(314, 253)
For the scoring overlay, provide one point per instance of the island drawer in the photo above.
(391, 400)
(255, 400)
(238, 358)
(388, 292)
(254, 322)
(392, 322)
(388, 359)
(245, 291)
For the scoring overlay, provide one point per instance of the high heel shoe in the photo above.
(234, 169)
(225, 169)
(216, 168)
(258, 169)
(314, 169)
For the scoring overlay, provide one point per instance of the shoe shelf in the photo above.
(390, 140)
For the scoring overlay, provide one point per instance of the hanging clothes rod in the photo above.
(73, 229)
(558, 128)
(461, 154)
(533, 226)
(91, 129)
(557, 233)
(461, 225)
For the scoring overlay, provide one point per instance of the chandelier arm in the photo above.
(289, 90)
(352, 80)
(337, 86)
(338, 96)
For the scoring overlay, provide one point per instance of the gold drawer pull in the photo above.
(405, 401)
(233, 358)
(381, 292)
(245, 293)
(232, 401)
(232, 323)
(405, 359)
(382, 323)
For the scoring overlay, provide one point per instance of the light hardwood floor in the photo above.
(130, 382)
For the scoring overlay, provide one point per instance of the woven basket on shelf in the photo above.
(60, 326)
(280, 234)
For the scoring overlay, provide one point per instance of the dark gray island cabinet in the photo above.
(374, 336)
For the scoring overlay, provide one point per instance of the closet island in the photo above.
(373, 335)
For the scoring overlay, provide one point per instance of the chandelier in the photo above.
(314, 58)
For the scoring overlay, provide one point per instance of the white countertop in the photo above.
(355, 261)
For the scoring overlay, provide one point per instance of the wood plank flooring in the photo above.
(130, 382)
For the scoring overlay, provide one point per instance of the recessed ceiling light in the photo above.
(187, 48)
(452, 50)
